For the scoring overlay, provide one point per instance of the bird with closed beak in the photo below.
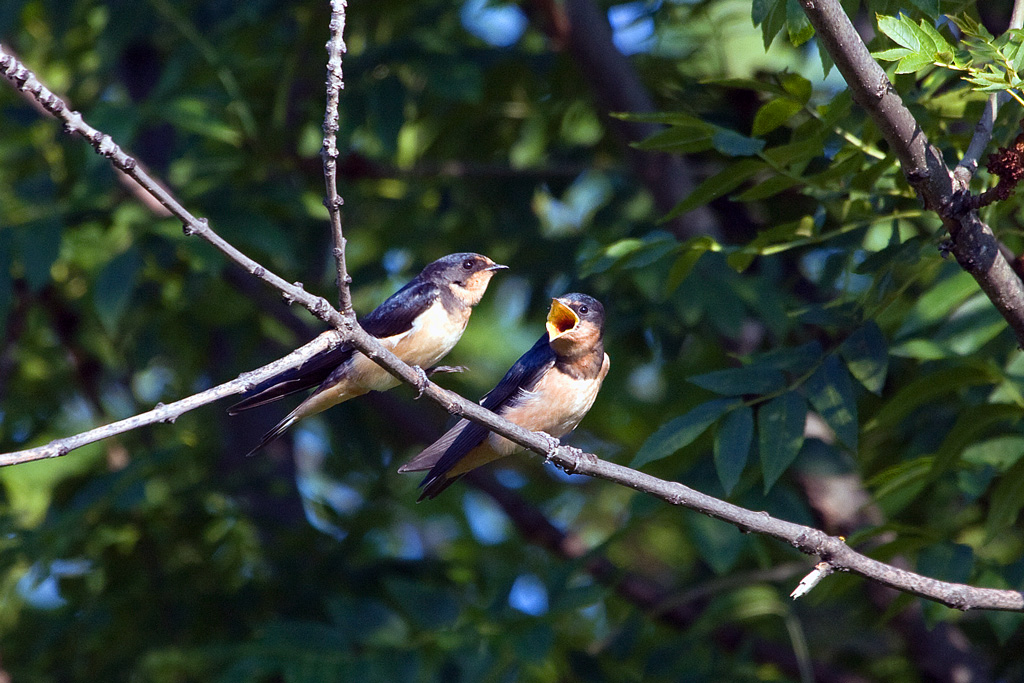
(420, 323)
(549, 389)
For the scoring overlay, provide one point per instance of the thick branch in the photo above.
(974, 245)
(329, 152)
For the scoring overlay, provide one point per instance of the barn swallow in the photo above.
(420, 323)
(550, 388)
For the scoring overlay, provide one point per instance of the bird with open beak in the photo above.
(549, 389)
(420, 323)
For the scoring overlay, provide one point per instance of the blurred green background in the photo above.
(869, 388)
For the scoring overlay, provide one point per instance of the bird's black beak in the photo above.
(496, 266)
(561, 320)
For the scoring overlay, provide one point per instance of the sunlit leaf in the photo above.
(867, 356)
(830, 391)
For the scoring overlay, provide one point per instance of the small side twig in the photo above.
(172, 411)
(329, 152)
(807, 584)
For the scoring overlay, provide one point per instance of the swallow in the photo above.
(420, 323)
(549, 389)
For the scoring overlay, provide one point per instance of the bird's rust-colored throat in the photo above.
(561, 320)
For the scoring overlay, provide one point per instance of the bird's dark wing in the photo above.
(308, 375)
(442, 455)
(398, 312)
(394, 316)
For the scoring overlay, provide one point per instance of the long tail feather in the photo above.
(274, 433)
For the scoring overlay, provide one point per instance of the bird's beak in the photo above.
(496, 266)
(561, 319)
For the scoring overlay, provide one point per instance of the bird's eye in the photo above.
(584, 310)
(468, 264)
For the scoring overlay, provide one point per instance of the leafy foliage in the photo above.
(818, 339)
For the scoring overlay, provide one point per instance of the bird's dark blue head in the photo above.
(575, 320)
(466, 274)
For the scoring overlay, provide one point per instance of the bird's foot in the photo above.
(578, 456)
(447, 369)
(422, 381)
(553, 445)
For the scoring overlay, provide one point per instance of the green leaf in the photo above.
(938, 302)
(867, 356)
(911, 64)
(773, 114)
(768, 188)
(691, 251)
(733, 438)
(681, 431)
(1006, 502)
(780, 430)
(970, 426)
(749, 379)
(892, 54)
(724, 181)
(899, 484)
(798, 26)
(732, 144)
(929, 7)
(770, 15)
(831, 393)
(681, 139)
(904, 32)
(114, 287)
(927, 388)
(797, 86)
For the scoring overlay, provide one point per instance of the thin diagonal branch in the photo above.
(171, 411)
(974, 245)
(329, 152)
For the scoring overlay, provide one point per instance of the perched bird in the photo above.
(420, 323)
(550, 388)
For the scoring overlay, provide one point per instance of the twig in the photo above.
(329, 152)
(171, 411)
(974, 245)
(807, 584)
(968, 166)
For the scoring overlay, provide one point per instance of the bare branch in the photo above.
(26, 81)
(329, 152)
(171, 411)
(968, 166)
(974, 245)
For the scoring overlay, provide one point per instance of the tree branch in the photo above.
(329, 152)
(171, 411)
(974, 245)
